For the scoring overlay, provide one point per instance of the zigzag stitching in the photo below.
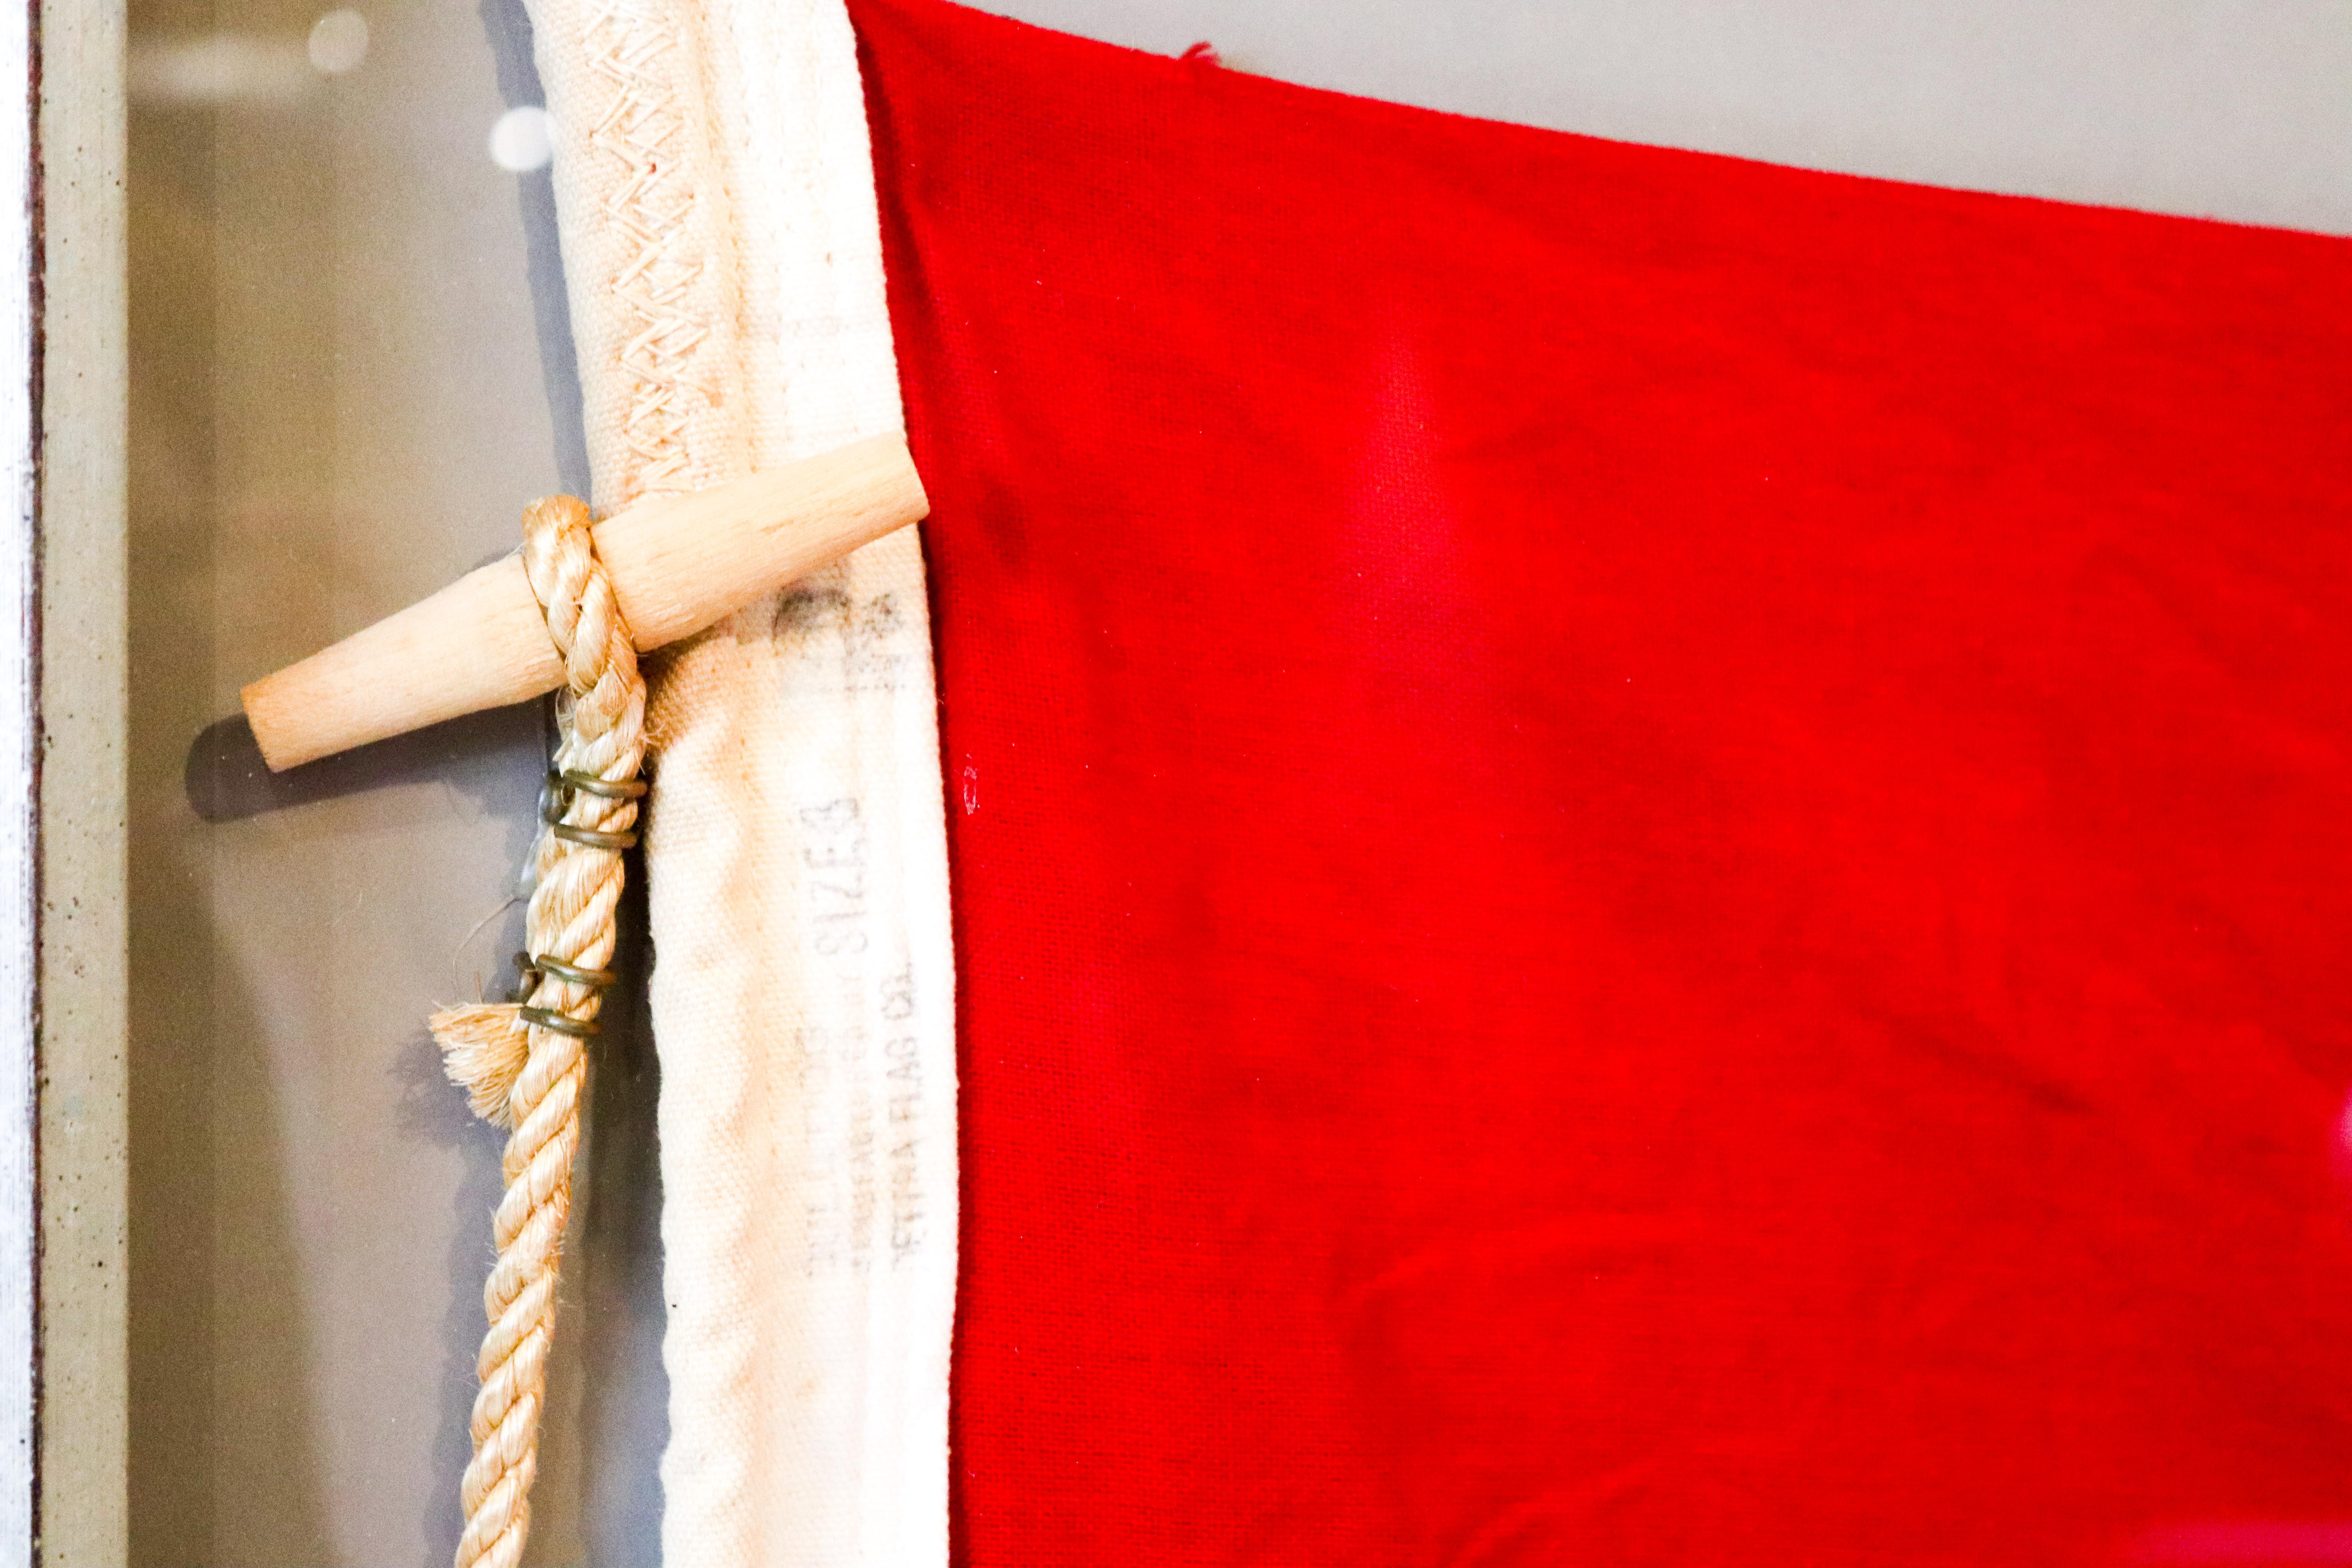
(651, 208)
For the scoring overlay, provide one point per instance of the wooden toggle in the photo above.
(678, 564)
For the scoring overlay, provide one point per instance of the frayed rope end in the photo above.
(483, 1047)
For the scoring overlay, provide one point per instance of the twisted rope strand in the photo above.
(525, 1075)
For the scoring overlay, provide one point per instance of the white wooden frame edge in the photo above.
(19, 884)
(64, 1167)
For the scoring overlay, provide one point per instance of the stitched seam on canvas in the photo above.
(651, 206)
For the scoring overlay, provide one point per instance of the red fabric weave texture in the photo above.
(1650, 854)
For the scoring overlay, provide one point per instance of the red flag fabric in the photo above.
(1650, 853)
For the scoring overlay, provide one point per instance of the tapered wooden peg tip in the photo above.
(678, 564)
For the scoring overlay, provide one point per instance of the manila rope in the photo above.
(523, 1063)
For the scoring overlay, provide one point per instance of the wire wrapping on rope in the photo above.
(522, 1063)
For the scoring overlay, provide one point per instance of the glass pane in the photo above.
(351, 371)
